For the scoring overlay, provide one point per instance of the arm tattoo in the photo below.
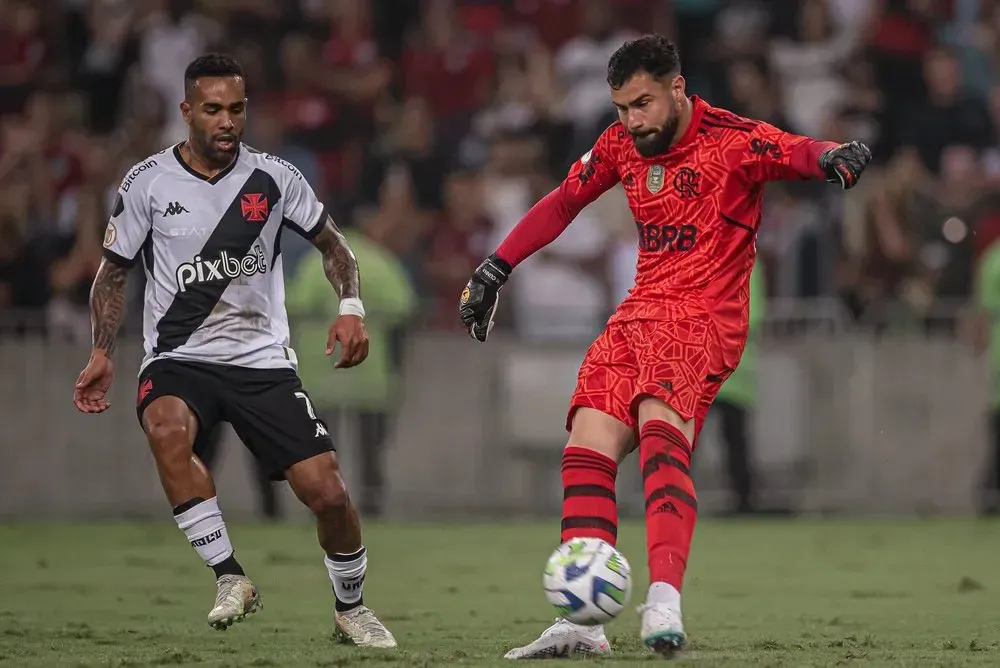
(338, 261)
(107, 304)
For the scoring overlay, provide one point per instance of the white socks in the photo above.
(661, 592)
(347, 573)
(205, 529)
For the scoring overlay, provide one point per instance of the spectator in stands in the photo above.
(170, 37)
(950, 116)
(22, 53)
(409, 142)
(448, 66)
(458, 242)
(316, 119)
(107, 51)
(582, 68)
(808, 68)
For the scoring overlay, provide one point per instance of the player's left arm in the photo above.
(771, 154)
(307, 216)
(341, 268)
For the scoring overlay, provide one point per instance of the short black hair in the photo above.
(211, 65)
(654, 54)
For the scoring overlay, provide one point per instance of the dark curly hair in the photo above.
(654, 54)
(211, 65)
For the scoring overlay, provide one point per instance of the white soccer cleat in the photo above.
(662, 629)
(359, 626)
(236, 598)
(562, 640)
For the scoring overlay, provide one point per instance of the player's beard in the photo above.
(658, 141)
(211, 151)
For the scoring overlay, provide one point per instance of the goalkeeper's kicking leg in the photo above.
(597, 443)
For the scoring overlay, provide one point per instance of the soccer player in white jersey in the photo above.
(205, 217)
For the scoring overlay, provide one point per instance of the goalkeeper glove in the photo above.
(843, 164)
(481, 295)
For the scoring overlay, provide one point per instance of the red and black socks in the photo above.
(671, 507)
(590, 509)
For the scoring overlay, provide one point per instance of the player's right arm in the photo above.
(124, 237)
(589, 177)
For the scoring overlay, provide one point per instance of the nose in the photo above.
(227, 123)
(634, 120)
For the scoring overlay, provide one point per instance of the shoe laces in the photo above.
(226, 584)
(368, 622)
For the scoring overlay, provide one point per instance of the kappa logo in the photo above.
(255, 208)
(174, 208)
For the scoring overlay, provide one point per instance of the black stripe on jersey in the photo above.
(277, 244)
(208, 179)
(233, 234)
(731, 119)
(312, 233)
(707, 123)
(147, 252)
(736, 223)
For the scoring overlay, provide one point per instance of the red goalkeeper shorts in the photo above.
(681, 363)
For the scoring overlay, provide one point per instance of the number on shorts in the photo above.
(309, 407)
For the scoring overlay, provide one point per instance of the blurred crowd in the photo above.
(429, 127)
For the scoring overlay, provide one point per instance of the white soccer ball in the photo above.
(588, 581)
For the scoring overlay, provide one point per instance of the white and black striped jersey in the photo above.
(212, 254)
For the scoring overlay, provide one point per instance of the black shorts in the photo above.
(268, 409)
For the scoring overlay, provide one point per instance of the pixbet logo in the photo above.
(226, 267)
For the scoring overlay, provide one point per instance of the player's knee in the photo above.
(328, 497)
(652, 408)
(167, 434)
(600, 432)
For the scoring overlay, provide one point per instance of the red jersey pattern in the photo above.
(697, 208)
(677, 362)
(683, 326)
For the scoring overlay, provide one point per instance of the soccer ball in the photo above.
(588, 581)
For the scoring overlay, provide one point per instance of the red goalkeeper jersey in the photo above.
(696, 207)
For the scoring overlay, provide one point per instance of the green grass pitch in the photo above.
(761, 593)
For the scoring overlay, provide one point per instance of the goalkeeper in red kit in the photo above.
(694, 176)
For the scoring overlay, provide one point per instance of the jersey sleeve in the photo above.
(303, 212)
(596, 171)
(128, 227)
(770, 154)
(593, 174)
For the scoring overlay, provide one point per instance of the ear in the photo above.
(186, 111)
(678, 88)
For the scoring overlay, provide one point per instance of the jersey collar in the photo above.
(698, 107)
(213, 179)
